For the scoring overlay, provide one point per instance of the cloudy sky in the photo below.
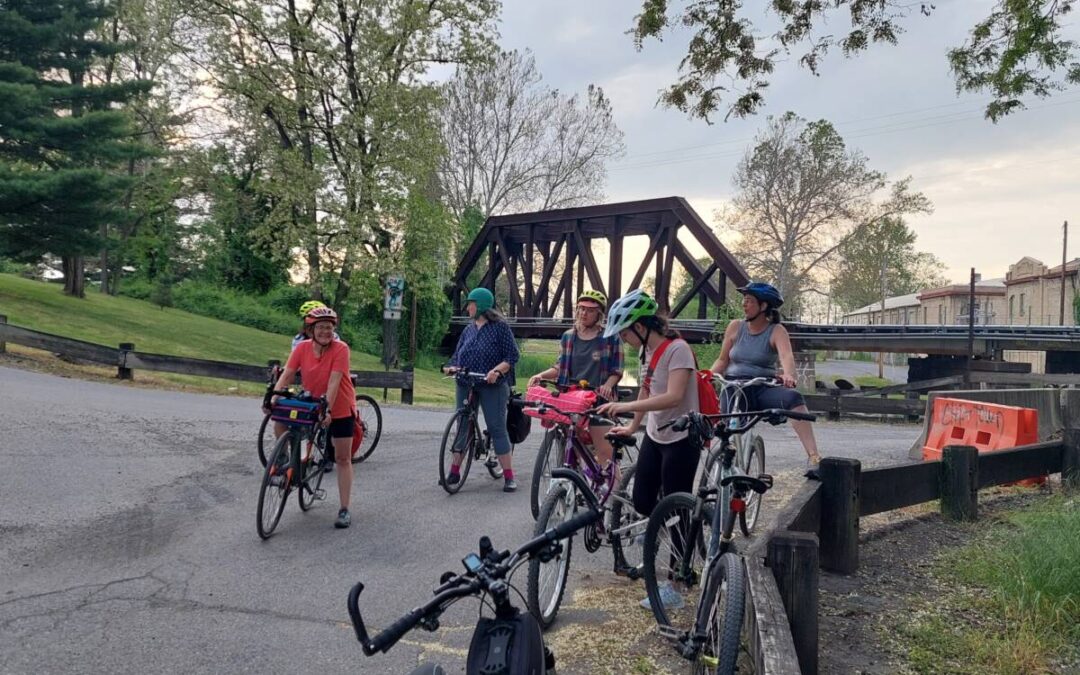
(999, 191)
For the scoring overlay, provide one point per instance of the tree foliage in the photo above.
(801, 195)
(1016, 51)
(886, 245)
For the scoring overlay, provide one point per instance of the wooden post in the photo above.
(3, 345)
(1070, 461)
(960, 482)
(407, 390)
(122, 371)
(793, 559)
(839, 533)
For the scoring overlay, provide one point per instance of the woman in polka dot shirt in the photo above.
(487, 346)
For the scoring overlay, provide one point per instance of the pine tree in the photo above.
(62, 138)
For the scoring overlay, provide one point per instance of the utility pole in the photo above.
(971, 330)
(881, 355)
(1064, 248)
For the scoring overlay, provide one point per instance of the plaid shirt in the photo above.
(611, 357)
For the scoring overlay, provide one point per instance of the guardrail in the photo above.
(819, 528)
(127, 360)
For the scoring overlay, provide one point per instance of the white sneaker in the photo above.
(669, 598)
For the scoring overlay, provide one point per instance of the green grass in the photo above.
(1013, 604)
(109, 320)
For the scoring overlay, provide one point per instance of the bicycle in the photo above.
(509, 642)
(291, 466)
(547, 578)
(369, 418)
(462, 437)
(711, 641)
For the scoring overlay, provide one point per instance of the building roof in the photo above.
(984, 287)
(910, 300)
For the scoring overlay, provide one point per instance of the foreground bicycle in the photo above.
(369, 417)
(463, 438)
(675, 540)
(298, 461)
(508, 643)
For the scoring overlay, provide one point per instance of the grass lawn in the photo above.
(109, 320)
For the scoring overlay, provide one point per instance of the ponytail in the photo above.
(658, 323)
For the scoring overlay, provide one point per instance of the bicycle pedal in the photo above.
(671, 633)
(320, 494)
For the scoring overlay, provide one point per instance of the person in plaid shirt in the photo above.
(585, 354)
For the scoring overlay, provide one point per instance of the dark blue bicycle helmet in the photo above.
(763, 292)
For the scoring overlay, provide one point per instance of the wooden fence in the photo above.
(127, 360)
(819, 528)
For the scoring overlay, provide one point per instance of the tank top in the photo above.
(752, 355)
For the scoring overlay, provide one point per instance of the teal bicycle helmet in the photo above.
(631, 307)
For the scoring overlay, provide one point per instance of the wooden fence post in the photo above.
(793, 559)
(3, 345)
(122, 371)
(960, 482)
(1070, 460)
(407, 392)
(839, 530)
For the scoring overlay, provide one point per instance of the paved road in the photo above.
(128, 544)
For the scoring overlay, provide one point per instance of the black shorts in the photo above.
(342, 427)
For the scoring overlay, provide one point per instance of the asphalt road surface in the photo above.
(128, 543)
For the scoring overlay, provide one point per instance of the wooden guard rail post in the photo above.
(960, 482)
(839, 530)
(793, 559)
(1070, 461)
(3, 345)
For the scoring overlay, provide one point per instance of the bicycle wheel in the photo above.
(726, 599)
(263, 442)
(753, 464)
(371, 423)
(550, 457)
(460, 435)
(674, 551)
(275, 487)
(314, 469)
(626, 546)
(547, 580)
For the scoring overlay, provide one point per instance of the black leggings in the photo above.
(663, 468)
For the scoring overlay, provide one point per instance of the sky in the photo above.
(1000, 191)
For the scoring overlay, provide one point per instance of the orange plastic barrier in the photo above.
(986, 426)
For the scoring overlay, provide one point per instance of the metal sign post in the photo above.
(393, 292)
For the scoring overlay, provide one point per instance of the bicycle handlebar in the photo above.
(752, 382)
(496, 567)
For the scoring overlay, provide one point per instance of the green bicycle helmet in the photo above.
(595, 296)
(633, 306)
(483, 298)
(308, 306)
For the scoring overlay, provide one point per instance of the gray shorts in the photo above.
(760, 397)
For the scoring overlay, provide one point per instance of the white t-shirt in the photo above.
(677, 356)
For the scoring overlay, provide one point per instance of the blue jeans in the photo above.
(493, 401)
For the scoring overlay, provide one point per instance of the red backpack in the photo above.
(708, 401)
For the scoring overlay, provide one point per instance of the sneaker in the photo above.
(453, 479)
(669, 598)
(277, 480)
(343, 519)
(328, 466)
(509, 485)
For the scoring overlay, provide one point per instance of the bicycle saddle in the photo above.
(759, 485)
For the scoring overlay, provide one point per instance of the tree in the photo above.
(513, 144)
(61, 137)
(887, 244)
(801, 195)
(1017, 50)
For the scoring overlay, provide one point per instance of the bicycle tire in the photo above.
(712, 463)
(314, 470)
(465, 438)
(726, 598)
(371, 417)
(551, 448)
(662, 556)
(627, 553)
(272, 498)
(544, 595)
(264, 436)
(754, 465)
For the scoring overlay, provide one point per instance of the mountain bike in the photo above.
(707, 634)
(510, 642)
(463, 438)
(298, 460)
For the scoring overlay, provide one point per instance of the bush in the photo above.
(287, 299)
(217, 302)
(140, 289)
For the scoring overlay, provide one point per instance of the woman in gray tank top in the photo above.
(752, 348)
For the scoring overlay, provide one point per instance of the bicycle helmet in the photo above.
(631, 307)
(595, 296)
(308, 306)
(763, 292)
(317, 314)
(483, 298)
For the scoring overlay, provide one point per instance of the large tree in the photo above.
(882, 261)
(801, 194)
(62, 138)
(1018, 50)
(514, 144)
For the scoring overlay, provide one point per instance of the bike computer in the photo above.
(472, 562)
